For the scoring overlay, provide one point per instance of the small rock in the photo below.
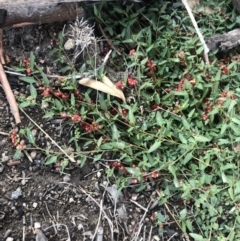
(71, 200)
(98, 174)
(40, 235)
(138, 210)
(5, 158)
(1, 168)
(35, 205)
(66, 178)
(16, 194)
(33, 154)
(37, 225)
(34, 132)
(70, 44)
(155, 237)
(9, 239)
(134, 197)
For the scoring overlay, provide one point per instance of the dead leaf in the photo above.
(106, 86)
(108, 82)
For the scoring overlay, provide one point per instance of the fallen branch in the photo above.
(21, 15)
(6, 87)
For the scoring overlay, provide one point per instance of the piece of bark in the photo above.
(225, 41)
(41, 13)
(5, 3)
(236, 4)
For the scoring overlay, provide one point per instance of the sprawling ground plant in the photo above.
(181, 121)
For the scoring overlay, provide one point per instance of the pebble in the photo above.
(66, 178)
(1, 168)
(105, 183)
(37, 225)
(35, 205)
(9, 239)
(34, 132)
(33, 154)
(16, 194)
(155, 237)
(5, 158)
(70, 44)
(99, 174)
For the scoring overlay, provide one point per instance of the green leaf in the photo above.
(232, 104)
(115, 133)
(51, 160)
(236, 120)
(30, 136)
(60, 37)
(58, 104)
(144, 61)
(135, 171)
(197, 237)
(182, 138)
(185, 123)
(29, 80)
(64, 69)
(159, 118)
(49, 114)
(201, 138)
(111, 145)
(224, 178)
(17, 155)
(25, 104)
(187, 158)
(45, 79)
(183, 214)
(199, 50)
(223, 128)
(95, 10)
(32, 60)
(83, 68)
(191, 113)
(154, 147)
(161, 218)
(33, 91)
(131, 116)
(72, 100)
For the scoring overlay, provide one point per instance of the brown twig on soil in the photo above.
(6, 87)
(19, 25)
(176, 221)
(28, 156)
(13, 163)
(1, 48)
(4, 133)
(45, 133)
(107, 39)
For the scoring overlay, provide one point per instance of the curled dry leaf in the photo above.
(106, 86)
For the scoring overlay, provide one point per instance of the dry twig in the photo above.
(108, 40)
(45, 133)
(6, 87)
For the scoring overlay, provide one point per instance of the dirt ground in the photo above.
(39, 203)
